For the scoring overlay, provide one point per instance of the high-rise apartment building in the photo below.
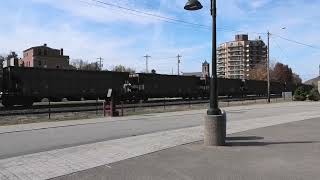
(236, 58)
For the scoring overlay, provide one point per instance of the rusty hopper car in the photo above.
(23, 86)
(160, 86)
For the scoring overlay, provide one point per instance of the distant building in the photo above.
(313, 81)
(205, 71)
(45, 57)
(236, 58)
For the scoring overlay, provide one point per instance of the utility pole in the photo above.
(147, 59)
(179, 61)
(268, 67)
(100, 63)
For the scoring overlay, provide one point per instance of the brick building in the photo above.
(236, 58)
(45, 57)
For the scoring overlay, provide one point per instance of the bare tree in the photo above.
(296, 79)
(80, 64)
(258, 72)
(1, 65)
(121, 68)
(278, 72)
(12, 54)
(282, 73)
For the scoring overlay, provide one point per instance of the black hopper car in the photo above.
(24, 86)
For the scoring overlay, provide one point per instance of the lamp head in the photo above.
(193, 5)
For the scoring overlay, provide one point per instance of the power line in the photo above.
(297, 42)
(159, 17)
(141, 15)
(149, 14)
(281, 49)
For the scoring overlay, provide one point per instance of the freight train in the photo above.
(25, 85)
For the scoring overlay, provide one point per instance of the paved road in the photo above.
(26, 142)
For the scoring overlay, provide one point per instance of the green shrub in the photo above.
(314, 95)
(300, 94)
(300, 98)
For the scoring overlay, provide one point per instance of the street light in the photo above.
(215, 121)
(193, 5)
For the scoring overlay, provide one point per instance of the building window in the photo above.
(39, 52)
(39, 63)
(45, 52)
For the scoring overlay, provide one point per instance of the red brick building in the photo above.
(45, 57)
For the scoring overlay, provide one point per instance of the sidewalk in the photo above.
(46, 125)
(60, 162)
(287, 152)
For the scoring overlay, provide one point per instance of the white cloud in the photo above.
(102, 13)
(255, 4)
(149, 35)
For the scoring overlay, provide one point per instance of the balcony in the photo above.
(235, 58)
(235, 50)
(235, 55)
(235, 63)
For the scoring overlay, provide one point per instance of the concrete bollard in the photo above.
(215, 129)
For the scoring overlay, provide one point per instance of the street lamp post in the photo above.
(215, 120)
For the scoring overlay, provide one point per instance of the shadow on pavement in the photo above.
(258, 143)
(242, 138)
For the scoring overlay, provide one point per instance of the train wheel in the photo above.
(6, 103)
(28, 103)
(55, 99)
(74, 98)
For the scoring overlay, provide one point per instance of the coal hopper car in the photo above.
(23, 86)
(147, 86)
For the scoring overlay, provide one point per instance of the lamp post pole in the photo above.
(268, 67)
(214, 106)
(215, 119)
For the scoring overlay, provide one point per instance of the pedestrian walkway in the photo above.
(60, 162)
(283, 152)
(46, 125)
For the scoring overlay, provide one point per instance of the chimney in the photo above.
(61, 52)
(45, 45)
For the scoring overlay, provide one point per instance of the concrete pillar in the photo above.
(215, 129)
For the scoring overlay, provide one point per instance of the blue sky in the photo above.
(88, 31)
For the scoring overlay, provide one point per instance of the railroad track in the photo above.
(69, 107)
